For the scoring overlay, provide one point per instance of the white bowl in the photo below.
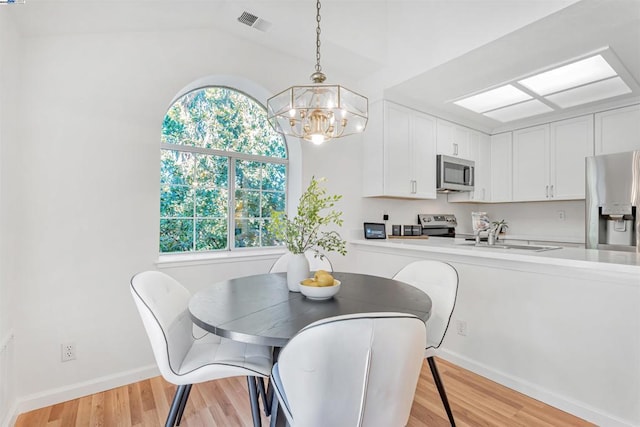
(320, 293)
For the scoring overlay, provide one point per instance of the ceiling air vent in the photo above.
(254, 22)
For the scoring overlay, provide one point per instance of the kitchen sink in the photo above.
(532, 248)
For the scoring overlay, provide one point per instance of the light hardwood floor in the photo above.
(475, 401)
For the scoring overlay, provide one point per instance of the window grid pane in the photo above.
(260, 190)
(176, 235)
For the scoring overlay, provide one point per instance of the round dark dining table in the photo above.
(260, 309)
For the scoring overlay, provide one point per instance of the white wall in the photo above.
(9, 80)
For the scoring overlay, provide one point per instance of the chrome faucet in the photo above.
(494, 232)
(477, 235)
(491, 240)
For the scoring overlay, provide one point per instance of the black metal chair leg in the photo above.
(274, 407)
(269, 395)
(265, 400)
(183, 403)
(440, 386)
(253, 397)
(175, 406)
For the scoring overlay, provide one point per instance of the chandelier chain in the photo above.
(318, 66)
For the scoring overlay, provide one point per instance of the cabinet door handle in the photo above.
(455, 149)
(551, 192)
(484, 196)
(547, 191)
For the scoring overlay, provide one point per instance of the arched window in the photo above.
(223, 171)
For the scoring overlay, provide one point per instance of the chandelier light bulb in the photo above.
(317, 139)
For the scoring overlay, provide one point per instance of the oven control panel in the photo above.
(437, 221)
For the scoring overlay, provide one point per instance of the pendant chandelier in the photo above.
(319, 112)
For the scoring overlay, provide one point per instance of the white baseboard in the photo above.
(579, 409)
(75, 391)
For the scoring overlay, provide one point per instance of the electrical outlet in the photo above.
(68, 351)
(461, 327)
(561, 215)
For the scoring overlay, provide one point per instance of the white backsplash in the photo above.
(536, 220)
(559, 219)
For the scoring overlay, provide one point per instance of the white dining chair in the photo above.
(183, 359)
(353, 370)
(439, 280)
(315, 263)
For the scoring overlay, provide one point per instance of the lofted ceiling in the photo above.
(421, 53)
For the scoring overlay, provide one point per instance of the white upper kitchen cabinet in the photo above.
(501, 167)
(399, 153)
(548, 160)
(481, 154)
(571, 141)
(618, 130)
(531, 163)
(453, 140)
(481, 149)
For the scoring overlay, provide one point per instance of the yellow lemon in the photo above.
(320, 273)
(325, 280)
(310, 282)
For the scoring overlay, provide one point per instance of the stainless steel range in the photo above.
(438, 225)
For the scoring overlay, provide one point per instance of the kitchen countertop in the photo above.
(612, 261)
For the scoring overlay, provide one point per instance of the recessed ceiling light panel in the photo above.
(569, 76)
(519, 111)
(590, 93)
(492, 99)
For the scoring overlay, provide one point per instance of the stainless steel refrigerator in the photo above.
(612, 200)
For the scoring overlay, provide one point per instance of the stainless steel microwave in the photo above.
(454, 174)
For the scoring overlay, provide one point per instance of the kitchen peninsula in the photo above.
(562, 325)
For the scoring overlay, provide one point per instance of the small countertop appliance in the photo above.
(438, 225)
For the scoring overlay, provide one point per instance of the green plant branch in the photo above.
(303, 232)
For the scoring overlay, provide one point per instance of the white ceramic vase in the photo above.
(297, 271)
